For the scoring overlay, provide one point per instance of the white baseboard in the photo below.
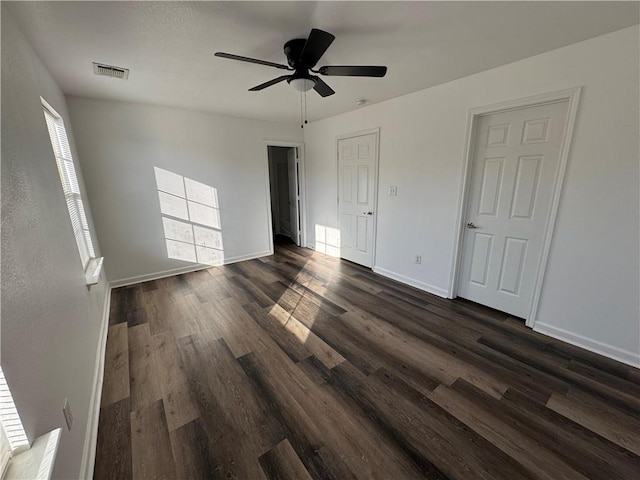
(595, 346)
(123, 282)
(440, 292)
(91, 435)
(251, 256)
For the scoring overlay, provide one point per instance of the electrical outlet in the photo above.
(393, 191)
(418, 259)
(68, 416)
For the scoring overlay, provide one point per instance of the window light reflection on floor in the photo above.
(190, 218)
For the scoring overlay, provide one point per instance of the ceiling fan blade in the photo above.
(354, 71)
(269, 83)
(230, 56)
(315, 46)
(322, 88)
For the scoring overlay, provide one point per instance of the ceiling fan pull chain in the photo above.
(301, 112)
(305, 108)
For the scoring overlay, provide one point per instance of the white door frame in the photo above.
(361, 133)
(572, 95)
(302, 185)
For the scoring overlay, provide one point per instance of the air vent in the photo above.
(110, 71)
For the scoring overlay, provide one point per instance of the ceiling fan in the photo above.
(302, 55)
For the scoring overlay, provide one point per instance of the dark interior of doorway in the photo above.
(283, 186)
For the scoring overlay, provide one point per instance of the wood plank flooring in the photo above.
(301, 366)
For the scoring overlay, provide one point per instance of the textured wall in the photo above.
(50, 320)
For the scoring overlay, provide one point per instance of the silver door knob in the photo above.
(368, 213)
(471, 225)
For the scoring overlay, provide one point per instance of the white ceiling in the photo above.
(169, 46)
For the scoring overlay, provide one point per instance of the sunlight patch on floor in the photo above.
(290, 323)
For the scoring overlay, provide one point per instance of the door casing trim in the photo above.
(572, 95)
(302, 185)
(362, 133)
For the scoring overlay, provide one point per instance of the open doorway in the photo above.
(285, 193)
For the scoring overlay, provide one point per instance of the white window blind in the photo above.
(12, 436)
(5, 452)
(72, 195)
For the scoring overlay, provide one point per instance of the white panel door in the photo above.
(357, 170)
(514, 171)
(294, 195)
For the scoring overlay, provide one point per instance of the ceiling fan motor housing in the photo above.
(301, 80)
(293, 50)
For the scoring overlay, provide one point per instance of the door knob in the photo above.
(471, 225)
(368, 213)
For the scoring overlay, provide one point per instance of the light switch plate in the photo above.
(393, 191)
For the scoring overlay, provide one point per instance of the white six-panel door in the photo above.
(514, 171)
(357, 170)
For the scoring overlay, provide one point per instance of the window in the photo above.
(12, 437)
(72, 195)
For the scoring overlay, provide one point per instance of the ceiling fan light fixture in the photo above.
(302, 84)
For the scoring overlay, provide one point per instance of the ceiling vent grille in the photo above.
(110, 71)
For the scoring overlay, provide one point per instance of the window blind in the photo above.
(69, 180)
(12, 436)
(5, 453)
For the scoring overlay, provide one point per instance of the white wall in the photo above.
(51, 322)
(591, 290)
(121, 143)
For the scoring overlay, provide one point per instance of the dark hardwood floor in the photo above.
(300, 366)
